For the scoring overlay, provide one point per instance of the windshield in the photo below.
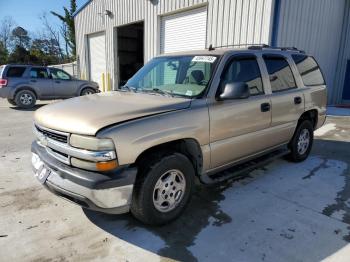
(186, 76)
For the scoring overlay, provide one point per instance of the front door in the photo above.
(287, 99)
(238, 127)
(41, 82)
(64, 85)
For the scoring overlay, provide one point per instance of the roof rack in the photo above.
(254, 47)
(258, 47)
(211, 47)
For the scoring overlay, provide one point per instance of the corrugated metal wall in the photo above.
(316, 27)
(229, 22)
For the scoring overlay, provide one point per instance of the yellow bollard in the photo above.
(109, 82)
(103, 82)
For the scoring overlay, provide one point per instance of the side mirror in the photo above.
(234, 90)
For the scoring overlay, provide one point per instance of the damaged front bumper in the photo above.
(105, 192)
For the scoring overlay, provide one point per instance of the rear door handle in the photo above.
(297, 100)
(265, 107)
(57, 81)
(33, 80)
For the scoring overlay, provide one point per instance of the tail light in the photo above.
(3, 82)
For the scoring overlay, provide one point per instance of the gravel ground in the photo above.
(280, 212)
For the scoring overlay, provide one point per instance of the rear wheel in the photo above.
(11, 101)
(87, 91)
(301, 143)
(163, 189)
(25, 99)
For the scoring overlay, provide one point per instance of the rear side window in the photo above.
(38, 73)
(309, 70)
(281, 76)
(245, 70)
(15, 71)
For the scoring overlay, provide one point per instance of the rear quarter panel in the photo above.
(316, 98)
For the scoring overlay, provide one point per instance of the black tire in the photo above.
(25, 99)
(143, 206)
(87, 91)
(301, 152)
(11, 101)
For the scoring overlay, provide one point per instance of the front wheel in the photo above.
(301, 143)
(87, 91)
(163, 189)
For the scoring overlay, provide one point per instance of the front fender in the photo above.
(134, 137)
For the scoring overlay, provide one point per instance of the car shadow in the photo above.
(27, 109)
(253, 217)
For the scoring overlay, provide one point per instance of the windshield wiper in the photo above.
(128, 88)
(162, 92)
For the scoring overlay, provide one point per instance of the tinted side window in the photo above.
(15, 71)
(245, 70)
(38, 73)
(59, 74)
(309, 70)
(281, 76)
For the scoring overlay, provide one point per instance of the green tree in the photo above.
(20, 37)
(19, 55)
(68, 20)
(3, 54)
(44, 51)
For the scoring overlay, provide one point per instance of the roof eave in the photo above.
(81, 8)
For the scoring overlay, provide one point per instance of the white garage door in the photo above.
(184, 31)
(97, 57)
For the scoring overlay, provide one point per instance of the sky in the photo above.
(26, 12)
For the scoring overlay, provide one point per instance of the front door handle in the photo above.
(265, 107)
(33, 80)
(297, 100)
(57, 81)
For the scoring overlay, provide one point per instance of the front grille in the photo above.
(54, 136)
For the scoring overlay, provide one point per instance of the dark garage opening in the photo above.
(130, 50)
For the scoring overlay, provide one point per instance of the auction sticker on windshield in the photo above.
(205, 59)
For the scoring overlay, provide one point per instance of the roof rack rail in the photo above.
(258, 47)
(211, 47)
(276, 48)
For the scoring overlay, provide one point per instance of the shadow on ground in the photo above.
(27, 109)
(270, 211)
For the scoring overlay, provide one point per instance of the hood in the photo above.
(87, 114)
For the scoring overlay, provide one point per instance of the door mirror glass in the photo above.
(234, 90)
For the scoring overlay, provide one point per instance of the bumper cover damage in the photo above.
(108, 193)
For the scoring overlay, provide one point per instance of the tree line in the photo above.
(50, 45)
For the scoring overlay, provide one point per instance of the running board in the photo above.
(243, 168)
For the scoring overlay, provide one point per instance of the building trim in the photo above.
(275, 23)
(81, 8)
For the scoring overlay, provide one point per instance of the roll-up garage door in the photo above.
(97, 57)
(184, 31)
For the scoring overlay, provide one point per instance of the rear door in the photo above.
(238, 127)
(41, 82)
(64, 85)
(286, 98)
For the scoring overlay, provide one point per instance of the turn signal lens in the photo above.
(106, 166)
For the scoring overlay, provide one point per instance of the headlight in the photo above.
(91, 143)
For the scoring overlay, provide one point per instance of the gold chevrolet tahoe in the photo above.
(181, 117)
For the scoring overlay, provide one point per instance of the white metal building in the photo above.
(115, 37)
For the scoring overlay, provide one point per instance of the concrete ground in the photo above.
(281, 212)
